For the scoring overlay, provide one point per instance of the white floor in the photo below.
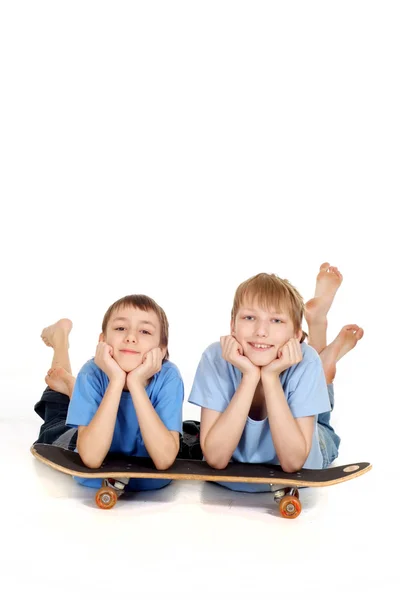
(190, 540)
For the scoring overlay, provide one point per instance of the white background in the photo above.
(175, 149)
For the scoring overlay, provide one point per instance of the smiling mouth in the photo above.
(260, 346)
(129, 352)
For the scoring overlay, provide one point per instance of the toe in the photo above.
(359, 334)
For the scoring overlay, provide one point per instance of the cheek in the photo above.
(286, 335)
(241, 327)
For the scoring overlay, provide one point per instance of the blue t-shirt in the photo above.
(165, 391)
(306, 392)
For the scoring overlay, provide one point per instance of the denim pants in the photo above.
(329, 441)
(53, 409)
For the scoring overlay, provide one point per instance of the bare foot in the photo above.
(348, 336)
(57, 332)
(329, 280)
(346, 340)
(60, 380)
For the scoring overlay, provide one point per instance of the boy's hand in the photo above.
(104, 360)
(152, 362)
(232, 352)
(290, 354)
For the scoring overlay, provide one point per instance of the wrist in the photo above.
(269, 377)
(135, 382)
(251, 378)
(117, 380)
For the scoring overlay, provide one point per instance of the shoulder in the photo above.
(308, 366)
(310, 355)
(310, 362)
(166, 385)
(213, 352)
(91, 372)
(168, 372)
(214, 365)
(90, 368)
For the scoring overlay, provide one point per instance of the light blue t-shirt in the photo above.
(304, 386)
(165, 391)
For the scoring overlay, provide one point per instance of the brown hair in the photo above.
(143, 303)
(271, 291)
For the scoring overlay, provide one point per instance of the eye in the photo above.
(145, 331)
(248, 318)
(277, 320)
(119, 328)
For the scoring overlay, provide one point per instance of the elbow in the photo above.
(163, 465)
(219, 466)
(91, 462)
(292, 466)
(216, 463)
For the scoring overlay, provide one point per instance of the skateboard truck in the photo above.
(110, 491)
(289, 503)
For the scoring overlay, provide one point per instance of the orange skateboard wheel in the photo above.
(106, 497)
(290, 507)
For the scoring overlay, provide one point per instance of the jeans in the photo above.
(329, 441)
(53, 409)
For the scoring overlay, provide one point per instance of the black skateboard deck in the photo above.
(117, 469)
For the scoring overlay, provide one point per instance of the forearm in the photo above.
(95, 439)
(288, 440)
(224, 436)
(158, 440)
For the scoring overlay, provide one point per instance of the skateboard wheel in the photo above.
(290, 507)
(106, 497)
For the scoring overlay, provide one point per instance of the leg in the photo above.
(53, 405)
(329, 280)
(53, 409)
(344, 342)
(348, 337)
(59, 377)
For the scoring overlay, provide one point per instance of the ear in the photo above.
(232, 327)
(102, 337)
(163, 351)
(299, 334)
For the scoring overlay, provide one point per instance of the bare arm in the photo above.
(94, 440)
(161, 444)
(220, 433)
(292, 438)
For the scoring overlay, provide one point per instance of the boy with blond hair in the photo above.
(266, 395)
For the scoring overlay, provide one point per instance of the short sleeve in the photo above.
(87, 395)
(212, 386)
(310, 396)
(168, 404)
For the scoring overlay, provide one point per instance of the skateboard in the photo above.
(117, 469)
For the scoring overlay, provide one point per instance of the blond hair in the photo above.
(143, 303)
(269, 291)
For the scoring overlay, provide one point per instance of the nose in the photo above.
(262, 329)
(130, 337)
